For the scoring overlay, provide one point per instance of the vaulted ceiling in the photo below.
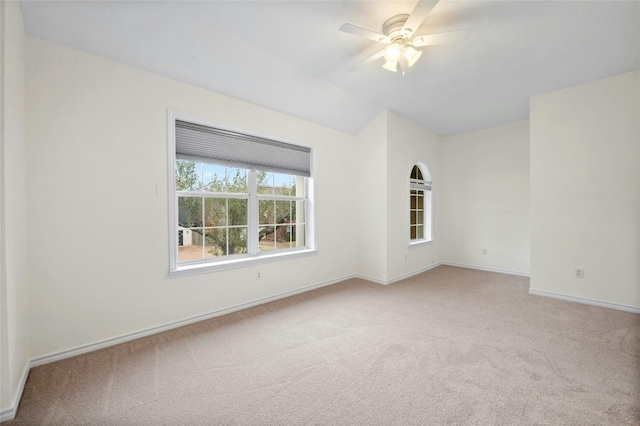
(290, 56)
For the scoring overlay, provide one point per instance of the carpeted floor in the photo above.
(449, 346)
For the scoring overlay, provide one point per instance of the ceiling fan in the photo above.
(401, 40)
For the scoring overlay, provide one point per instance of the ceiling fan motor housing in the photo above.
(393, 27)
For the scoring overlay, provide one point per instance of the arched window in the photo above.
(420, 204)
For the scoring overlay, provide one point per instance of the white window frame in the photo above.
(428, 208)
(238, 261)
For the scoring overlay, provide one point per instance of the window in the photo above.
(212, 210)
(236, 198)
(281, 206)
(420, 205)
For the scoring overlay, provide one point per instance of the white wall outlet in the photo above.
(484, 251)
(258, 275)
(579, 273)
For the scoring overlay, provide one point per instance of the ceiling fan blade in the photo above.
(417, 17)
(361, 32)
(441, 38)
(370, 59)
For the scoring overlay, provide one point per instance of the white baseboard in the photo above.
(398, 278)
(373, 280)
(68, 353)
(411, 274)
(10, 413)
(488, 269)
(616, 306)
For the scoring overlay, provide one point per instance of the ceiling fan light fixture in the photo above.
(391, 66)
(399, 33)
(392, 52)
(412, 55)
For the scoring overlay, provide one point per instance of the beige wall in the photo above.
(370, 188)
(584, 190)
(409, 144)
(97, 152)
(14, 355)
(486, 198)
(388, 148)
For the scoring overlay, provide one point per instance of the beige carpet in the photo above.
(449, 346)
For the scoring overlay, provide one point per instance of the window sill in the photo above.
(419, 243)
(223, 265)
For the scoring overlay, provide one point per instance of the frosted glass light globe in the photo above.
(392, 52)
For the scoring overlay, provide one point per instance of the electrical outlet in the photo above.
(579, 273)
(484, 251)
(258, 275)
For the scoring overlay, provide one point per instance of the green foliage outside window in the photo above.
(222, 221)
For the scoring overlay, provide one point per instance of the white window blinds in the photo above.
(208, 144)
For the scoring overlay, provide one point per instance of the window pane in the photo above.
(188, 175)
(266, 238)
(189, 244)
(190, 212)
(215, 212)
(282, 184)
(264, 182)
(237, 180)
(237, 212)
(266, 212)
(283, 211)
(237, 240)
(216, 242)
(213, 177)
(416, 173)
(417, 203)
(283, 237)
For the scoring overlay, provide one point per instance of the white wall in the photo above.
(14, 354)
(97, 150)
(585, 189)
(407, 145)
(486, 198)
(388, 148)
(370, 188)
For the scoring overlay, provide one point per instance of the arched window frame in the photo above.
(420, 204)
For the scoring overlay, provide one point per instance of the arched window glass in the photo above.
(420, 204)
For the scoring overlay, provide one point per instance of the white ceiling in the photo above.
(289, 55)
